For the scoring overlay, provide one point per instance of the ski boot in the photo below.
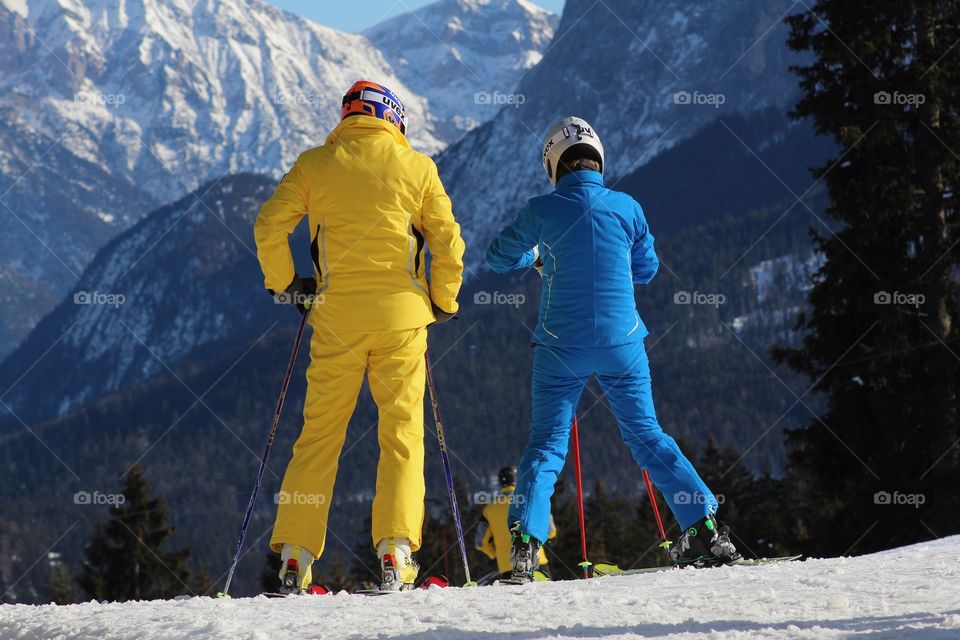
(398, 568)
(296, 570)
(704, 544)
(525, 557)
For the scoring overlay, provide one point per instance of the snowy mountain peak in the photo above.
(16, 6)
(466, 56)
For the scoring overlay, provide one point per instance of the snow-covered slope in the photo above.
(646, 75)
(904, 593)
(465, 56)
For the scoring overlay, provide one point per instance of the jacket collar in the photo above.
(577, 178)
(364, 125)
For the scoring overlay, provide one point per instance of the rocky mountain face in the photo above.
(647, 75)
(183, 282)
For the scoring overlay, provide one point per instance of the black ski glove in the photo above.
(301, 293)
(442, 316)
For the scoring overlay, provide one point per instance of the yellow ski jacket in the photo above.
(373, 204)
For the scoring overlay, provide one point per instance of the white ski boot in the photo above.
(399, 570)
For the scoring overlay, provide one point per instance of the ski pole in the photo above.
(263, 459)
(576, 469)
(665, 545)
(447, 470)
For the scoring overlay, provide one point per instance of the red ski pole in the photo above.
(665, 545)
(576, 468)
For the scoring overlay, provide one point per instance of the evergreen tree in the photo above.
(752, 506)
(337, 576)
(880, 466)
(202, 584)
(440, 550)
(365, 568)
(563, 552)
(126, 558)
(270, 574)
(59, 581)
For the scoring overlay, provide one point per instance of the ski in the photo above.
(603, 570)
(438, 581)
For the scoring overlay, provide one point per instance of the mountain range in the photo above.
(109, 109)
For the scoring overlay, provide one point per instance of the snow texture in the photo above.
(904, 593)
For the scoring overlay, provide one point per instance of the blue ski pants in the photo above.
(559, 375)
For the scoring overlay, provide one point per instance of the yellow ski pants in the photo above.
(394, 364)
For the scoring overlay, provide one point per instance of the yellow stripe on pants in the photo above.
(394, 362)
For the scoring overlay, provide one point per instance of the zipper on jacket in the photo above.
(549, 280)
(415, 258)
(318, 255)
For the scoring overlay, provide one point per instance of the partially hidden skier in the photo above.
(591, 245)
(374, 207)
(493, 535)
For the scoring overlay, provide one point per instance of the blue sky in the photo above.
(350, 15)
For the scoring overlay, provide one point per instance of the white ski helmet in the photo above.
(571, 132)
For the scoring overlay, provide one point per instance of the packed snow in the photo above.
(904, 593)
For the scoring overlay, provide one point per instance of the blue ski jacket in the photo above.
(595, 245)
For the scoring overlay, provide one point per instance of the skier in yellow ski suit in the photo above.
(374, 205)
(493, 536)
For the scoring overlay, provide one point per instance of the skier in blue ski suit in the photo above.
(591, 244)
